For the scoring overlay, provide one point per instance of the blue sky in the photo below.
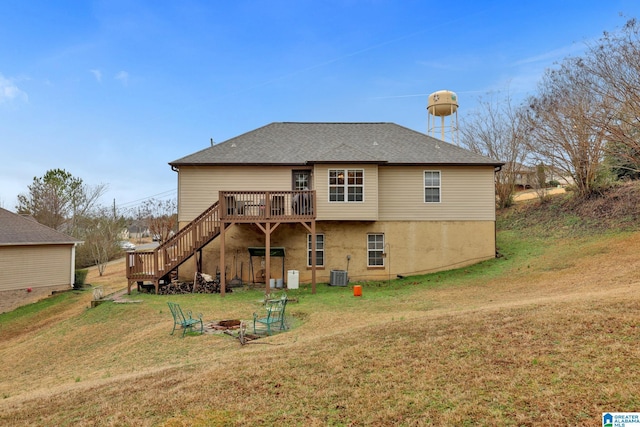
(113, 90)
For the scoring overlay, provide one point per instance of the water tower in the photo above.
(443, 104)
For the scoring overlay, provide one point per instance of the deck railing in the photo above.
(248, 206)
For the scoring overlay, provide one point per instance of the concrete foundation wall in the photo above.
(10, 300)
(411, 248)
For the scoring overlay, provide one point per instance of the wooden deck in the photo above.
(266, 208)
(276, 206)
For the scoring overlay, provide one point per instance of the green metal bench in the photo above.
(275, 315)
(185, 322)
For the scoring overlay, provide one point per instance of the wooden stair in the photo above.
(156, 266)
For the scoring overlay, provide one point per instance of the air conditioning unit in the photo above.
(338, 278)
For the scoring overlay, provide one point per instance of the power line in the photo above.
(136, 202)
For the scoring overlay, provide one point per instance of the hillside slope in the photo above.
(546, 334)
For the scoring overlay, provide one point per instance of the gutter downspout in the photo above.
(496, 169)
(73, 265)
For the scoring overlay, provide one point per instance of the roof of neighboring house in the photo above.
(286, 143)
(19, 230)
(137, 226)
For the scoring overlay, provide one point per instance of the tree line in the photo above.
(582, 122)
(65, 203)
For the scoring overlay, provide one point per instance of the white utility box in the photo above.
(293, 279)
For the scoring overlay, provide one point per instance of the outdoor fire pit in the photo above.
(231, 327)
(225, 325)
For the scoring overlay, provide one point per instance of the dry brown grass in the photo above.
(551, 341)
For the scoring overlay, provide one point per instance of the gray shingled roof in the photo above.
(18, 230)
(303, 143)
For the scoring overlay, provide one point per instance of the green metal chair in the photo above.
(275, 309)
(186, 322)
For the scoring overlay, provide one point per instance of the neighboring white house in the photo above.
(527, 176)
(34, 256)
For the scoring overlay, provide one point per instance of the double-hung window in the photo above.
(346, 185)
(319, 250)
(375, 250)
(432, 186)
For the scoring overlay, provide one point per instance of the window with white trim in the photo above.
(319, 250)
(346, 185)
(375, 250)
(432, 186)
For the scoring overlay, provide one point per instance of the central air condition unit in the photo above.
(338, 278)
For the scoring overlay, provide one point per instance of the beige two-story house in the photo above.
(377, 200)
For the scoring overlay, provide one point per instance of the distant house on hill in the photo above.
(528, 176)
(137, 230)
(33, 255)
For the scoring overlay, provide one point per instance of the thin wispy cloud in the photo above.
(553, 55)
(9, 91)
(527, 73)
(348, 55)
(414, 95)
(438, 65)
(123, 77)
(97, 74)
(574, 49)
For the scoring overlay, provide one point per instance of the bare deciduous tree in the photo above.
(496, 130)
(100, 232)
(614, 63)
(563, 119)
(161, 216)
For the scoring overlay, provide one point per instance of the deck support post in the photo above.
(223, 278)
(267, 255)
(267, 228)
(311, 227)
(313, 257)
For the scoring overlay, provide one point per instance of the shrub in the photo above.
(80, 277)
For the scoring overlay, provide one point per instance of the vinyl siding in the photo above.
(391, 193)
(34, 266)
(347, 211)
(467, 193)
(198, 186)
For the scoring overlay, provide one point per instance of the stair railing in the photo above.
(156, 264)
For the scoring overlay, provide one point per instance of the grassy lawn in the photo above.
(546, 334)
